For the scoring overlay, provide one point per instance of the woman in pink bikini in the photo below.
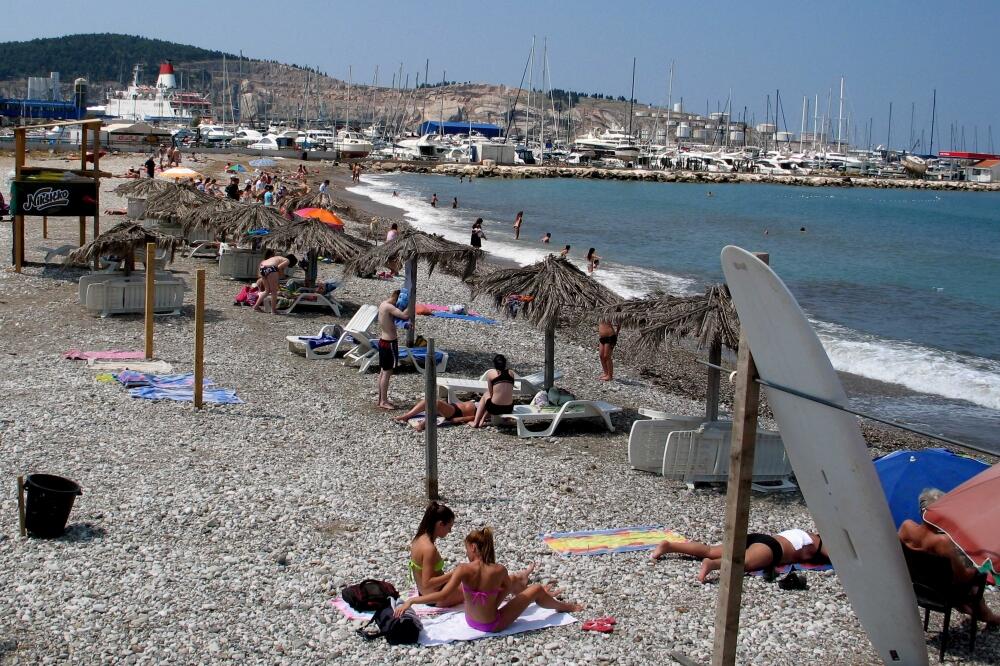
(485, 585)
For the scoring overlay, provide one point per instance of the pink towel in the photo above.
(77, 355)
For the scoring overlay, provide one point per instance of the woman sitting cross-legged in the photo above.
(499, 396)
(426, 564)
(485, 585)
(453, 412)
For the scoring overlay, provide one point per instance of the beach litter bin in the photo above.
(48, 504)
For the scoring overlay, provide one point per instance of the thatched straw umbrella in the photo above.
(709, 319)
(143, 188)
(122, 240)
(312, 238)
(243, 218)
(407, 248)
(549, 288)
(175, 203)
(205, 216)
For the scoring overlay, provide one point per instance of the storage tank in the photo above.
(80, 93)
(700, 134)
(785, 137)
(683, 131)
(679, 107)
(736, 136)
(766, 128)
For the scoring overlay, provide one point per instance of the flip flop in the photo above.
(599, 625)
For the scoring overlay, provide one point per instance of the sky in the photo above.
(895, 51)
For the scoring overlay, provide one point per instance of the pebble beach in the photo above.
(221, 535)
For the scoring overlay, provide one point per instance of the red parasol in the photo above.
(970, 516)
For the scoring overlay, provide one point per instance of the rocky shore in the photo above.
(494, 171)
(220, 536)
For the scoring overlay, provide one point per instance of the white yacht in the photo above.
(214, 133)
(417, 147)
(610, 143)
(245, 136)
(352, 144)
(267, 142)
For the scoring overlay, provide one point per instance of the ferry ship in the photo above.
(158, 103)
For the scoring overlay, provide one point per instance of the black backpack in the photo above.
(369, 595)
(402, 630)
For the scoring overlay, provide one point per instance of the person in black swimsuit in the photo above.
(460, 412)
(499, 396)
(477, 233)
(608, 338)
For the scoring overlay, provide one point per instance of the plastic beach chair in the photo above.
(526, 386)
(323, 345)
(648, 438)
(574, 409)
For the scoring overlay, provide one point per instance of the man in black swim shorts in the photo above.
(388, 346)
(608, 338)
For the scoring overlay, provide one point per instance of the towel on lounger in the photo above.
(453, 627)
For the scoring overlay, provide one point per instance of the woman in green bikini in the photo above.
(426, 564)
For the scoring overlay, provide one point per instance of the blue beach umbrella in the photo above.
(236, 168)
(905, 474)
(263, 162)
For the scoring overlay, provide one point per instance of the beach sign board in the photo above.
(831, 461)
(54, 198)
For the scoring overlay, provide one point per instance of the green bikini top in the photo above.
(413, 566)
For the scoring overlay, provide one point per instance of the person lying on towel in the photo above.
(764, 552)
(485, 585)
(925, 538)
(453, 412)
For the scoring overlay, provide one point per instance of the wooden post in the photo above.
(97, 178)
(411, 305)
(19, 150)
(199, 339)
(83, 165)
(712, 394)
(45, 226)
(550, 355)
(745, 405)
(21, 517)
(150, 295)
(430, 431)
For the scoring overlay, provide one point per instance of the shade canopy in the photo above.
(180, 173)
(142, 188)
(263, 162)
(243, 218)
(314, 237)
(122, 240)
(236, 168)
(905, 474)
(205, 216)
(411, 245)
(543, 292)
(970, 516)
(321, 214)
(176, 202)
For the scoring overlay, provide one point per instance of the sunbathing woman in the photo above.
(763, 551)
(460, 412)
(484, 585)
(499, 396)
(426, 564)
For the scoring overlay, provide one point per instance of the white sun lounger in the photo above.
(364, 355)
(128, 296)
(307, 298)
(648, 438)
(528, 385)
(299, 344)
(701, 455)
(574, 409)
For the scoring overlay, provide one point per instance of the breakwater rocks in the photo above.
(704, 177)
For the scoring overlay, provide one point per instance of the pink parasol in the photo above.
(970, 516)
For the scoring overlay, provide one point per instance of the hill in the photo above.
(99, 57)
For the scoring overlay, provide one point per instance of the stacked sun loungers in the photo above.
(127, 295)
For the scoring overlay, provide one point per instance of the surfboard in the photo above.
(831, 461)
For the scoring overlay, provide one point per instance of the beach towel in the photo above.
(77, 355)
(156, 367)
(420, 609)
(604, 542)
(421, 417)
(131, 379)
(445, 308)
(453, 627)
(465, 317)
(419, 353)
(214, 395)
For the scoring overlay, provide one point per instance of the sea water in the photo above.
(901, 285)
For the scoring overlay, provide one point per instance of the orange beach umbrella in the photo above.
(321, 214)
(970, 516)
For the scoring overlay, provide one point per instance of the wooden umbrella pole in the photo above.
(21, 516)
(746, 402)
(199, 339)
(411, 304)
(83, 165)
(150, 295)
(714, 376)
(430, 429)
(550, 355)
(45, 226)
(19, 157)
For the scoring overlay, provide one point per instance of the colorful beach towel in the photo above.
(77, 355)
(453, 627)
(214, 395)
(466, 317)
(132, 379)
(605, 542)
(420, 609)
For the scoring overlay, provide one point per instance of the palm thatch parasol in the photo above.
(206, 215)
(243, 218)
(143, 188)
(547, 288)
(709, 319)
(313, 239)
(175, 203)
(409, 247)
(122, 240)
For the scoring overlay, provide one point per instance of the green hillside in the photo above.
(102, 57)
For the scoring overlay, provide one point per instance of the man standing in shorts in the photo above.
(388, 346)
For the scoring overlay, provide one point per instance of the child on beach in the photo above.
(434, 200)
(517, 224)
(484, 585)
(454, 202)
(565, 252)
(547, 237)
(592, 260)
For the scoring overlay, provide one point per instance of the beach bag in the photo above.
(369, 595)
(241, 297)
(559, 397)
(540, 400)
(402, 630)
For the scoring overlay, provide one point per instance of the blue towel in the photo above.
(466, 317)
(216, 395)
(131, 379)
(317, 341)
(420, 353)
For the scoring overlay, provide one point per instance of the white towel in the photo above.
(453, 627)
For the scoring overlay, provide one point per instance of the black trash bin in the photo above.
(49, 500)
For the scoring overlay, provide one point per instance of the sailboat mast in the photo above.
(541, 106)
(930, 151)
(805, 112)
(840, 114)
(350, 80)
(670, 104)
(631, 99)
(423, 107)
(527, 108)
(888, 138)
(815, 119)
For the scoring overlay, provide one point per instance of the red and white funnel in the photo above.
(166, 79)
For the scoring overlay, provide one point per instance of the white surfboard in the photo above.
(831, 461)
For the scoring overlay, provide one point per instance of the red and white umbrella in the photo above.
(970, 516)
